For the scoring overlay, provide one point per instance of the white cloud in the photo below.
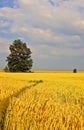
(4, 23)
(4, 45)
(67, 52)
(57, 29)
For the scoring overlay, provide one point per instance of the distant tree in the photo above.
(75, 70)
(6, 69)
(19, 59)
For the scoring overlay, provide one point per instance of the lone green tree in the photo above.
(19, 59)
(75, 70)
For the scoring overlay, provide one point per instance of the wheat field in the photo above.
(42, 101)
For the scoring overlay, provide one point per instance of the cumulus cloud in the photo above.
(52, 27)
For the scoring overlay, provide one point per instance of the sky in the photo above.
(52, 29)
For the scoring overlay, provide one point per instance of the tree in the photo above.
(6, 69)
(19, 60)
(75, 70)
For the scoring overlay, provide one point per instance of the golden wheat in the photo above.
(57, 103)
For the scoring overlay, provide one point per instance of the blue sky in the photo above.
(53, 29)
(8, 3)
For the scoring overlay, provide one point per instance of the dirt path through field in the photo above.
(5, 103)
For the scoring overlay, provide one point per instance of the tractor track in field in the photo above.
(5, 103)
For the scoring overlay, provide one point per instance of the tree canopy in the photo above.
(19, 59)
